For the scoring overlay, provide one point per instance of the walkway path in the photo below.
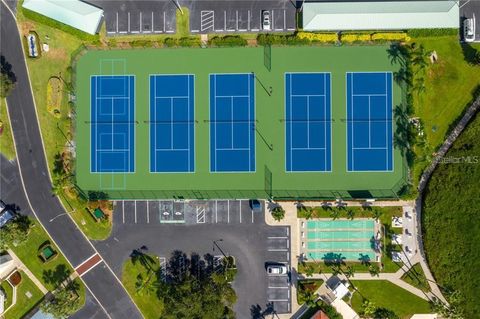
(19, 265)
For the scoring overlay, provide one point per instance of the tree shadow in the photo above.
(56, 276)
(257, 312)
(470, 54)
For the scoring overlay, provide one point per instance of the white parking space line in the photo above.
(140, 21)
(255, 30)
(240, 210)
(228, 211)
(164, 18)
(128, 21)
(123, 212)
(117, 21)
(148, 213)
(225, 20)
(153, 24)
(236, 19)
(277, 237)
(284, 19)
(216, 214)
(288, 243)
(288, 230)
(283, 287)
(273, 19)
(135, 202)
(279, 249)
(278, 300)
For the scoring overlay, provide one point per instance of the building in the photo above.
(381, 15)
(74, 13)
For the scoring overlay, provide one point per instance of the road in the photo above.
(36, 182)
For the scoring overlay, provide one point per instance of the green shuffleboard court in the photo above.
(237, 123)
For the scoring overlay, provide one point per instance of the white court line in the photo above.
(148, 214)
(135, 202)
(123, 212)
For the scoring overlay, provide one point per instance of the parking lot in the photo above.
(192, 212)
(240, 16)
(195, 229)
(469, 8)
(138, 17)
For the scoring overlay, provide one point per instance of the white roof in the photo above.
(75, 13)
(340, 290)
(396, 15)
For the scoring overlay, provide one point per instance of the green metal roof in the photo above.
(75, 13)
(380, 15)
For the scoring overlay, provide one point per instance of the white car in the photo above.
(278, 269)
(266, 20)
(469, 29)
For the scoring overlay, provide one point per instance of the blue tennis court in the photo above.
(232, 123)
(308, 122)
(112, 121)
(172, 123)
(369, 118)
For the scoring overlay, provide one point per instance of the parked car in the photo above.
(6, 216)
(2, 205)
(277, 269)
(469, 29)
(255, 205)
(266, 25)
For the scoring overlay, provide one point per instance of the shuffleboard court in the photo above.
(308, 122)
(369, 118)
(172, 123)
(232, 122)
(112, 124)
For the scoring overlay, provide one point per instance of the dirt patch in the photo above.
(26, 27)
(252, 42)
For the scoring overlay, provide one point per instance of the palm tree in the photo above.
(310, 298)
(374, 270)
(335, 213)
(376, 213)
(350, 213)
(349, 272)
(309, 271)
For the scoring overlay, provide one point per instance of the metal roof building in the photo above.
(382, 15)
(74, 13)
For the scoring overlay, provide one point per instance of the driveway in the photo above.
(469, 8)
(250, 240)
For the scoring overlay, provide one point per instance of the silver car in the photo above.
(277, 269)
(469, 29)
(266, 25)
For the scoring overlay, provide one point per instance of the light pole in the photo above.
(59, 215)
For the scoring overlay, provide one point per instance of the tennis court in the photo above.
(369, 118)
(172, 123)
(339, 239)
(112, 124)
(308, 122)
(232, 122)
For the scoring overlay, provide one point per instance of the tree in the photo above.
(374, 270)
(64, 303)
(384, 313)
(335, 214)
(368, 308)
(310, 297)
(376, 213)
(15, 231)
(6, 85)
(350, 213)
(278, 213)
(309, 271)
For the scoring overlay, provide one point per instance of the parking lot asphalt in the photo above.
(138, 17)
(240, 16)
(469, 8)
(253, 243)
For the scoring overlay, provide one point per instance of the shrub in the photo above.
(355, 37)
(189, 42)
(170, 42)
(228, 41)
(415, 33)
(390, 36)
(318, 37)
(141, 43)
(278, 213)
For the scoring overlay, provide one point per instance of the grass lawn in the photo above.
(24, 304)
(54, 269)
(385, 294)
(450, 221)
(8, 290)
(449, 84)
(55, 63)
(6, 139)
(416, 278)
(148, 303)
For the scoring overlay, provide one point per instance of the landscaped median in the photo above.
(6, 139)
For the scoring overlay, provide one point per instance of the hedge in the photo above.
(228, 41)
(416, 33)
(318, 37)
(263, 39)
(58, 25)
(355, 37)
(189, 42)
(390, 36)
